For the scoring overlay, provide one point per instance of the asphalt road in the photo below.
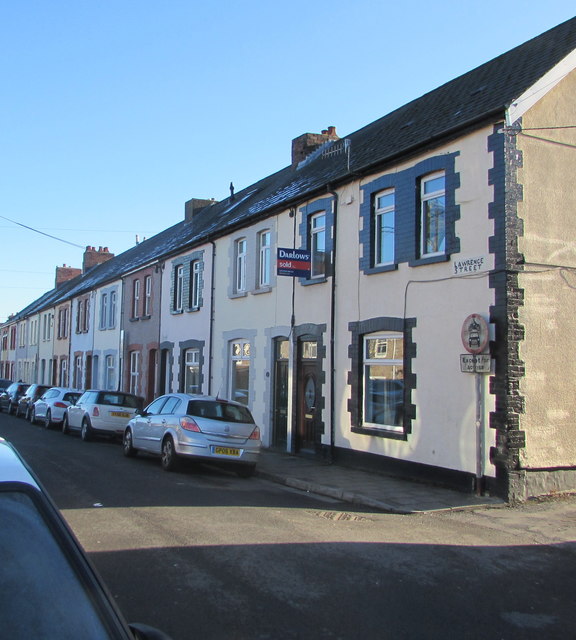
(204, 554)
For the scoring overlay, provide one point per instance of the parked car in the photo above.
(10, 397)
(49, 587)
(25, 403)
(51, 406)
(101, 413)
(4, 384)
(198, 427)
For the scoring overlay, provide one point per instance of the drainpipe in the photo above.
(211, 331)
(333, 323)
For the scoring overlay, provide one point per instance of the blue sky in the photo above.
(116, 112)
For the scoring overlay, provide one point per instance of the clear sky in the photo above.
(113, 113)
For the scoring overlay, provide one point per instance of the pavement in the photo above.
(364, 488)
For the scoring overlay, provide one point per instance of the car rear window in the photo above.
(215, 410)
(120, 400)
(70, 397)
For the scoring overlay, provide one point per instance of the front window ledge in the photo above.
(192, 309)
(239, 294)
(435, 259)
(266, 289)
(308, 281)
(384, 268)
(145, 317)
(176, 312)
(134, 319)
(380, 433)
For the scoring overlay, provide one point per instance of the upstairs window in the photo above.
(103, 311)
(148, 296)
(264, 259)
(179, 288)
(432, 215)
(240, 263)
(112, 316)
(195, 273)
(384, 222)
(318, 245)
(136, 299)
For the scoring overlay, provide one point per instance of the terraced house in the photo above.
(426, 276)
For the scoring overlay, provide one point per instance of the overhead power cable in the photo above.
(42, 233)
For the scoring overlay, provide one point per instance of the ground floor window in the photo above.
(192, 371)
(134, 371)
(383, 380)
(110, 377)
(240, 372)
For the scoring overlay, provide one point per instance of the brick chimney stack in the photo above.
(194, 205)
(65, 273)
(304, 145)
(93, 257)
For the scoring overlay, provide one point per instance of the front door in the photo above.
(308, 410)
(280, 425)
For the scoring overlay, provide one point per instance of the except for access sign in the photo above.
(293, 262)
(478, 363)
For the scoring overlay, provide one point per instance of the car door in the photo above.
(42, 403)
(141, 425)
(76, 412)
(160, 422)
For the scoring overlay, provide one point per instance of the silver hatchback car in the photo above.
(195, 426)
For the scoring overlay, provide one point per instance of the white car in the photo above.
(198, 427)
(52, 404)
(100, 412)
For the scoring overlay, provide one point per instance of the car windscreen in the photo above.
(43, 593)
(216, 410)
(120, 400)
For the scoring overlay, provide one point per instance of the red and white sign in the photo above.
(475, 333)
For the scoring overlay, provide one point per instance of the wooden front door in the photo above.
(308, 396)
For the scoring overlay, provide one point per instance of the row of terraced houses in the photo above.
(427, 330)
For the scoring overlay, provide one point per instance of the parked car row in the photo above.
(173, 426)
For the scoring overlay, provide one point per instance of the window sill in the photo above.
(177, 312)
(381, 269)
(306, 282)
(260, 290)
(380, 433)
(429, 260)
(238, 294)
(134, 319)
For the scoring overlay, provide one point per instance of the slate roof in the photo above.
(467, 101)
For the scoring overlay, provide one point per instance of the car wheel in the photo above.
(65, 427)
(85, 431)
(28, 414)
(169, 458)
(33, 416)
(48, 420)
(11, 408)
(17, 412)
(245, 470)
(127, 446)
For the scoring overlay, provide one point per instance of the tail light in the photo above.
(189, 424)
(255, 435)
(60, 405)
(95, 412)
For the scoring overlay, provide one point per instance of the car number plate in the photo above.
(226, 451)
(120, 414)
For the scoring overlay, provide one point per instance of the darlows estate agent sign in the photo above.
(293, 262)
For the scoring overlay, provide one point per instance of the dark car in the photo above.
(25, 403)
(4, 384)
(49, 587)
(11, 396)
